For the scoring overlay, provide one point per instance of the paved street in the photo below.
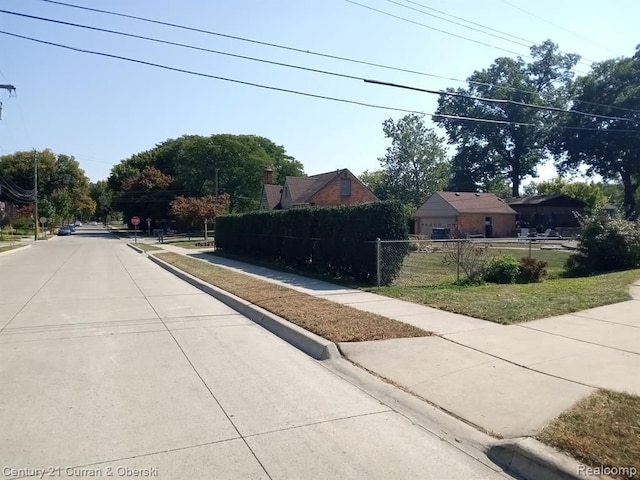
(111, 365)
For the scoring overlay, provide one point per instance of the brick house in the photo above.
(339, 187)
(547, 211)
(464, 214)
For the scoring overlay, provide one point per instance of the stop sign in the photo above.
(135, 220)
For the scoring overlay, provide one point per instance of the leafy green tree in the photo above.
(146, 195)
(510, 150)
(589, 193)
(611, 146)
(378, 182)
(415, 164)
(195, 162)
(62, 205)
(102, 195)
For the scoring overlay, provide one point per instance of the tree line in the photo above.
(532, 111)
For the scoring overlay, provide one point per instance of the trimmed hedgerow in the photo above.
(332, 241)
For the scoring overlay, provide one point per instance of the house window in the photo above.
(345, 187)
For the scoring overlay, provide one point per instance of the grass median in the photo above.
(335, 322)
(521, 302)
(6, 248)
(145, 246)
(603, 430)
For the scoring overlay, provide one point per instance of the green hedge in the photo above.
(332, 241)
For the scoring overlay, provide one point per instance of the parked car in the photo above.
(72, 228)
(78, 223)
(440, 233)
(62, 231)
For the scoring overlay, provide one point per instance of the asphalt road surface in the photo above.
(111, 366)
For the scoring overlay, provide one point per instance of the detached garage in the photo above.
(466, 214)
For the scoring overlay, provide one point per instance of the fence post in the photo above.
(378, 246)
(530, 242)
(458, 262)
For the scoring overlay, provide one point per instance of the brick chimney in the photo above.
(267, 176)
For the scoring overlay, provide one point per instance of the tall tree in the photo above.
(102, 195)
(415, 164)
(510, 150)
(232, 163)
(146, 195)
(611, 146)
(378, 182)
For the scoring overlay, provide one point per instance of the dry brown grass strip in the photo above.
(601, 430)
(335, 322)
(145, 246)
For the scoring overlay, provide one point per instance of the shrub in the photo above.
(471, 257)
(332, 241)
(501, 269)
(23, 223)
(531, 270)
(606, 243)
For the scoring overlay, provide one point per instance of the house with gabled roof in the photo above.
(548, 211)
(338, 187)
(465, 214)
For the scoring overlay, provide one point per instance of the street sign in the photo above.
(135, 221)
(43, 219)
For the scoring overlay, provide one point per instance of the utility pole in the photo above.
(9, 88)
(35, 186)
(217, 184)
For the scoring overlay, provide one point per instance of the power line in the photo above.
(182, 45)
(252, 84)
(324, 72)
(471, 22)
(398, 17)
(458, 23)
(318, 54)
(557, 26)
(296, 92)
(499, 101)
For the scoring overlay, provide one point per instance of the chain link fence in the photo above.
(424, 262)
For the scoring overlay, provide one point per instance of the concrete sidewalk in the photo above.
(508, 380)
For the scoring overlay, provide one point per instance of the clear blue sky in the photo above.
(103, 110)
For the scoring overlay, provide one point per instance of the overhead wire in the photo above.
(528, 43)
(296, 92)
(414, 22)
(313, 53)
(253, 84)
(557, 26)
(324, 72)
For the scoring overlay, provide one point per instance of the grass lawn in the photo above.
(521, 302)
(601, 430)
(335, 322)
(427, 267)
(145, 246)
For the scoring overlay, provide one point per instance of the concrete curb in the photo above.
(524, 457)
(310, 343)
(532, 459)
(14, 250)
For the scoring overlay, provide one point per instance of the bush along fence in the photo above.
(339, 242)
(420, 262)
